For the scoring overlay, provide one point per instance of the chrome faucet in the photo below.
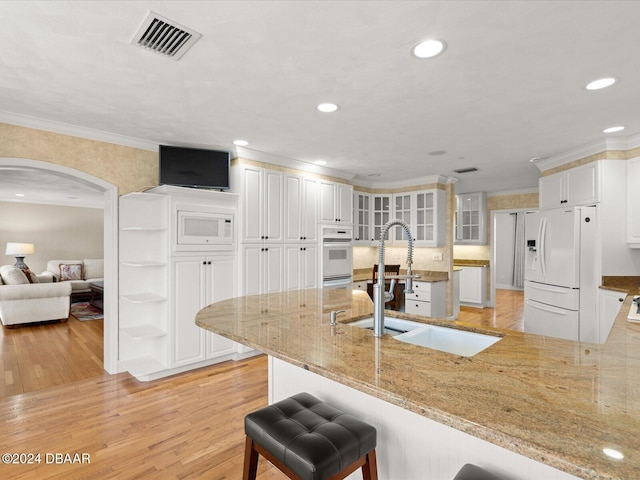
(380, 297)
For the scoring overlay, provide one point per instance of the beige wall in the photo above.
(57, 232)
(129, 168)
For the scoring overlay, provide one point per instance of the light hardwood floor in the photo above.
(183, 427)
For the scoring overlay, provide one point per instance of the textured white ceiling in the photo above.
(509, 87)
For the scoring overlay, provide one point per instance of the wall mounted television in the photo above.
(194, 167)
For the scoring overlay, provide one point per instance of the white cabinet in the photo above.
(198, 281)
(429, 218)
(262, 269)
(362, 231)
(336, 202)
(402, 210)
(633, 203)
(473, 286)
(143, 274)
(576, 186)
(610, 304)
(361, 285)
(471, 219)
(262, 200)
(300, 267)
(381, 214)
(300, 209)
(428, 299)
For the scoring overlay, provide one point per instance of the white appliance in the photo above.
(337, 257)
(204, 228)
(562, 273)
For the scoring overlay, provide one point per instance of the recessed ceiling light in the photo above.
(537, 159)
(429, 48)
(438, 152)
(320, 162)
(19, 194)
(374, 174)
(240, 143)
(610, 452)
(613, 129)
(601, 83)
(328, 107)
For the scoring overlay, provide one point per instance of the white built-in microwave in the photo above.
(204, 229)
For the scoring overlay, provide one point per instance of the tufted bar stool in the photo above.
(473, 472)
(308, 439)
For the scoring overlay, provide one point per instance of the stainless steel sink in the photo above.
(436, 337)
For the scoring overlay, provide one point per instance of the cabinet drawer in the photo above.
(423, 296)
(360, 286)
(417, 307)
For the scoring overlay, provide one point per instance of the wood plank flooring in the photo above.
(183, 427)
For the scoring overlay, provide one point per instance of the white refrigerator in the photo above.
(562, 273)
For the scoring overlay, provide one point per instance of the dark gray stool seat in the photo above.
(309, 439)
(473, 472)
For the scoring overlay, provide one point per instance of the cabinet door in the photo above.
(309, 263)
(252, 206)
(471, 285)
(424, 230)
(188, 296)
(220, 280)
(361, 218)
(293, 208)
(582, 185)
(381, 214)
(471, 218)
(309, 219)
(273, 201)
(402, 211)
(633, 201)
(252, 269)
(344, 202)
(272, 265)
(551, 191)
(292, 267)
(328, 202)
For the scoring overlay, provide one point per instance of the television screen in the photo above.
(194, 167)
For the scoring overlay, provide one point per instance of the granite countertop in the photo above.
(470, 263)
(364, 274)
(556, 401)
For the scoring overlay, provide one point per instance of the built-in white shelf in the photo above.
(141, 366)
(143, 298)
(144, 263)
(139, 332)
(142, 229)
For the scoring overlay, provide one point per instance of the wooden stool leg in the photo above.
(370, 468)
(250, 460)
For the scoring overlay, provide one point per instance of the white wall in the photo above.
(58, 232)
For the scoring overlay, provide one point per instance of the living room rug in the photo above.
(84, 311)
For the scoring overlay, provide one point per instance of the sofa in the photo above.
(22, 301)
(78, 273)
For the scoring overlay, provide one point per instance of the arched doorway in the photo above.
(32, 168)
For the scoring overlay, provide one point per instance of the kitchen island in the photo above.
(556, 402)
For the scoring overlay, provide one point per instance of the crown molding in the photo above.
(360, 182)
(505, 193)
(76, 131)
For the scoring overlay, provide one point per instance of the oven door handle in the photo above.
(333, 282)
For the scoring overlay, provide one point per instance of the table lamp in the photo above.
(19, 250)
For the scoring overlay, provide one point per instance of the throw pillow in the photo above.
(12, 275)
(30, 275)
(70, 271)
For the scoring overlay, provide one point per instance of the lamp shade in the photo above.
(20, 249)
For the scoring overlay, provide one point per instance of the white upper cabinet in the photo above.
(430, 219)
(300, 209)
(362, 232)
(471, 219)
(381, 214)
(576, 186)
(633, 201)
(402, 210)
(336, 202)
(262, 194)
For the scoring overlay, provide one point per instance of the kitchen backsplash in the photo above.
(366, 257)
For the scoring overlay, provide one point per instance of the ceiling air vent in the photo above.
(466, 170)
(165, 36)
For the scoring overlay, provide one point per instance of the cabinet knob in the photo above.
(204, 263)
(208, 263)
(266, 238)
(266, 249)
(621, 299)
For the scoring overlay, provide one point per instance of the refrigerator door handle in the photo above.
(549, 288)
(539, 306)
(542, 253)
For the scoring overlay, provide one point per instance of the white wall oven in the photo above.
(337, 257)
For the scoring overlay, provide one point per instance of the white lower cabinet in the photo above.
(473, 286)
(262, 269)
(361, 285)
(300, 266)
(428, 299)
(198, 281)
(610, 304)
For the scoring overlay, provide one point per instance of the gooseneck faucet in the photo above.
(380, 297)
